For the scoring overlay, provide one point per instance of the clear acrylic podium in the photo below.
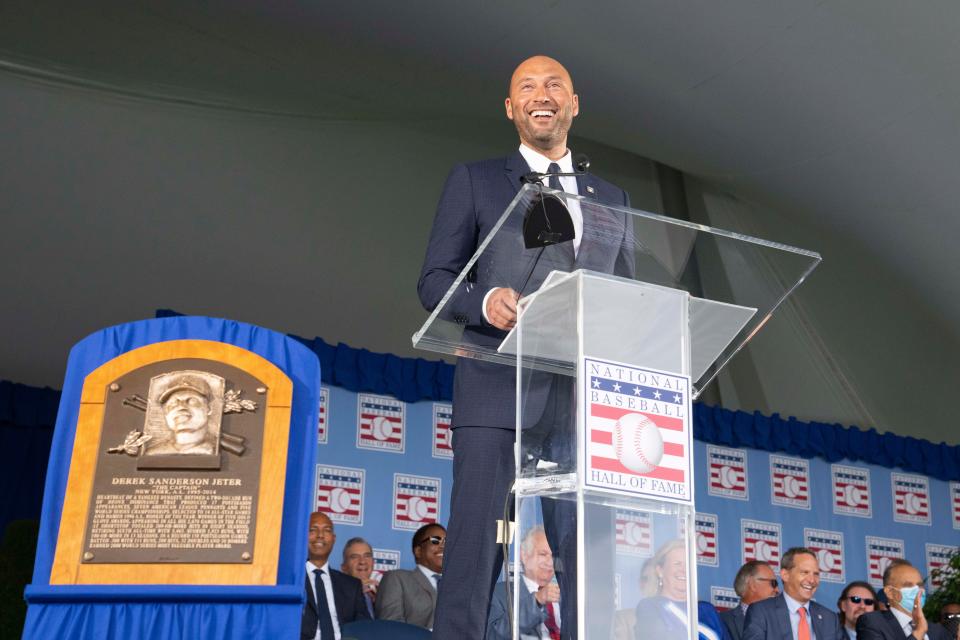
(618, 332)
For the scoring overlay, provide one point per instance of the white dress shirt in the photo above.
(328, 587)
(540, 163)
(793, 606)
(430, 575)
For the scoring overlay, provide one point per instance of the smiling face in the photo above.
(673, 575)
(358, 560)
(186, 413)
(853, 610)
(429, 554)
(320, 538)
(537, 558)
(801, 581)
(542, 105)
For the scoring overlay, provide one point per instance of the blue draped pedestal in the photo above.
(158, 612)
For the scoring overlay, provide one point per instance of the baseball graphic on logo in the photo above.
(632, 533)
(417, 508)
(701, 543)
(851, 495)
(728, 477)
(637, 443)
(339, 500)
(911, 502)
(762, 551)
(882, 564)
(791, 487)
(382, 428)
(826, 559)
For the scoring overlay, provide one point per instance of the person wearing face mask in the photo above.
(903, 586)
(793, 614)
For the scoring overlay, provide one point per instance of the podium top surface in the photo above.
(749, 277)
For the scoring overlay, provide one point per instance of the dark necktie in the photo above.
(323, 609)
(554, 181)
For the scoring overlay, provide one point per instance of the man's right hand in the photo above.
(549, 592)
(501, 308)
(920, 625)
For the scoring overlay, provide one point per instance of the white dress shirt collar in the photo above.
(429, 574)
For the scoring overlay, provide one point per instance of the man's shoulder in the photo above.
(764, 606)
(822, 610)
(344, 578)
(874, 619)
(730, 614)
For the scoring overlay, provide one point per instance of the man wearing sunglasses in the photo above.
(903, 586)
(755, 581)
(411, 596)
(856, 599)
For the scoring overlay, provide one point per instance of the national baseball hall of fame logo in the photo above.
(384, 560)
(880, 552)
(416, 501)
(634, 533)
(760, 541)
(339, 493)
(380, 423)
(323, 416)
(728, 473)
(705, 526)
(442, 433)
(790, 482)
(938, 556)
(724, 598)
(911, 498)
(851, 491)
(637, 438)
(828, 547)
(955, 503)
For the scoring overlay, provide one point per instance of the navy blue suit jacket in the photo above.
(347, 597)
(473, 200)
(733, 620)
(883, 625)
(770, 620)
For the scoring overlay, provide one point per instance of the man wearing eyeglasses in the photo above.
(856, 599)
(793, 614)
(903, 586)
(755, 581)
(411, 595)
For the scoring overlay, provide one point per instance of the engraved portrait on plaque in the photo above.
(177, 475)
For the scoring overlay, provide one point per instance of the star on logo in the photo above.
(596, 383)
(637, 391)
(616, 387)
(676, 398)
(656, 394)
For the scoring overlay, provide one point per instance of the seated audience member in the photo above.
(333, 598)
(904, 620)
(856, 599)
(358, 562)
(664, 615)
(754, 581)
(950, 619)
(793, 615)
(538, 612)
(411, 596)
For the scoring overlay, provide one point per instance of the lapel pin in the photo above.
(590, 189)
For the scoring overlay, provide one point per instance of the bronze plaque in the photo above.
(178, 466)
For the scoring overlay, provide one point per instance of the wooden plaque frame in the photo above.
(68, 567)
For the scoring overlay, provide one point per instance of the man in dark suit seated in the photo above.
(793, 614)
(358, 562)
(340, 596)
(411, 596)
(904, 620)
(538, 612)
(754, 582)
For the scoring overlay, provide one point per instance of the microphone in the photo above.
(581, 163)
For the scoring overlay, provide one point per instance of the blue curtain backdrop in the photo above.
(399, 483)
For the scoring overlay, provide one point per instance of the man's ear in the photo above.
(576, 104)
(509, 108)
